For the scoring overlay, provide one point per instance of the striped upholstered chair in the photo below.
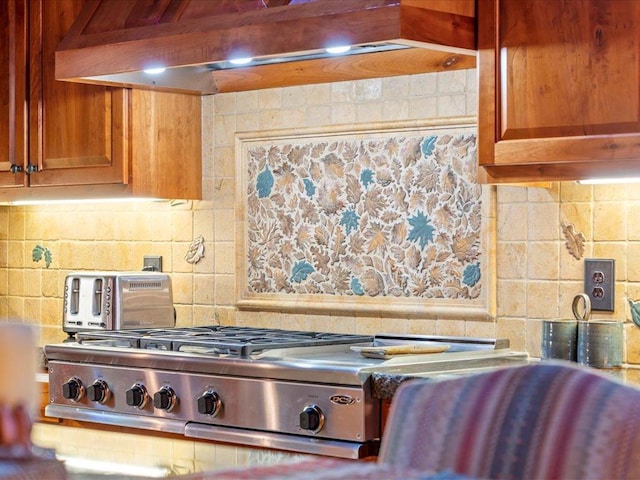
(543, 421)
(538, 422)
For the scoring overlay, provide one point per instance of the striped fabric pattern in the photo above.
(543, 421)
(326, 469)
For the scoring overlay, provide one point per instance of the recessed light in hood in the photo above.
(112, 42)
(298, 57)
(338, 50)
(240, 61)
(154, 71)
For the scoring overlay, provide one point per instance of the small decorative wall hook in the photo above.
(196, 250)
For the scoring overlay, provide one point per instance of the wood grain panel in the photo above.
(335, 69)
(103, 40)
(593, 148)
(466, 8)
(105, 21)
(437, 27)
(146, 12)
(276, 3)
(118, 53)
(527, 173)
(153, 12)
(487, 83)
(166, 144)
(81, 136)
(569, 68)
(559, 95)
(71, 124)
(13, 51)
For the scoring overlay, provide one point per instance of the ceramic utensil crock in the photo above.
(559, 339)
(600, 342)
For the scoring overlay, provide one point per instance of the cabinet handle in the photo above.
(31, 169)
(15, 168)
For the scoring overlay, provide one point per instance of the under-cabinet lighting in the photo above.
(314, 55)
(83, 465)
(607, 181)
(82, 200)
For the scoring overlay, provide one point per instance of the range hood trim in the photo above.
(202, 80)
(85, 58)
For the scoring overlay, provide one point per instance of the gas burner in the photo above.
(242, 342)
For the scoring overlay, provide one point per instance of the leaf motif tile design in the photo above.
(378, 217)
(39, 253)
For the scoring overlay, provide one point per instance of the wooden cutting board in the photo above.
(390, 351)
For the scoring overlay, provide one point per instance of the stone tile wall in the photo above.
(117, 236)
(537, 277)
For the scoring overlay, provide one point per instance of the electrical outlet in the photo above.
(152, 263)
(599, 282)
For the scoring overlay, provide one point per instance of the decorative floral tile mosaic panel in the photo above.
(387, 216)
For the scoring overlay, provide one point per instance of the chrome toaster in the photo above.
(117, 301)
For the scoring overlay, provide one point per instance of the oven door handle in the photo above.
(117, 419)
(282, 441)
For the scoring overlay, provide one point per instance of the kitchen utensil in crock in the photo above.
(581, 313)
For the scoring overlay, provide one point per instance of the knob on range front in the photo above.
(209, 403)
(137, 396)
(98, 391)
(73, 389)
(312, 418)
(165, 399)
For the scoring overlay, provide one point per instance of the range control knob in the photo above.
(137, 396)
(165, 398)
(98, 391)
(209, 403)
(312, 418)
(73, 389)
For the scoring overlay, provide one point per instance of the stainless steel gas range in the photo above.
(308, 392)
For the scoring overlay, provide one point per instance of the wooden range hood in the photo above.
(112, 41)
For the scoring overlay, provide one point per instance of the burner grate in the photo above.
(217, 340)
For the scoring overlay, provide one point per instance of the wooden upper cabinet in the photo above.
(559, 91)
(73, 140)
(71, 125)
(13, 94)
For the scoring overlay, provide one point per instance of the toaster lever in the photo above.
(74, 300)
(97, 297)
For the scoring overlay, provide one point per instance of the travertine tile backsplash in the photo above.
(536, 275)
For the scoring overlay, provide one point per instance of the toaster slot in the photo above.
(74, 300)
(97, 296)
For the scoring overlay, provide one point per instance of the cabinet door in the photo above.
(77, 132)
(559, 89)
(13, 84)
